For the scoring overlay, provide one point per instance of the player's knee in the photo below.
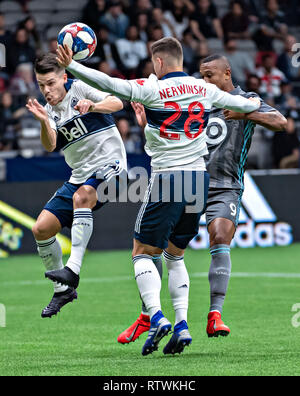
(40, 231)
(219, 237)
(81, 200)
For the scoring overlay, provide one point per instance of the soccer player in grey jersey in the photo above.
(229, 137)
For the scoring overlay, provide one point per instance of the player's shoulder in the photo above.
(246, 94)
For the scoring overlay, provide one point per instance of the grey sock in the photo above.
(158, 264)
(219, 274)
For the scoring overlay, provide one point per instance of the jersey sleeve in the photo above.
(51, 120)
(125, 89)
(264, 107)
(225, 100)
(88, 92)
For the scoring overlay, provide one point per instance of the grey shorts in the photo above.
(223, 203)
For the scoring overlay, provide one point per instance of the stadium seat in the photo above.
(38, 5)
(64, 18)
(12, 19)
(70, 5)
(246, 45)
(10, 6)
(215, 44)
(41, 19)
(53, 31)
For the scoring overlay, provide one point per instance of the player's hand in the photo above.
(39, 112)
(140, 114)
(84, 106)
(256, 100)
(64, 55)
(233, 115)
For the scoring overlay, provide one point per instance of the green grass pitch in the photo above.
(82, 339)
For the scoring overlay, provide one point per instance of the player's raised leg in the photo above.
(221, 232)
(84, 199)
(149, 285)
(142, 324)
(44, 231)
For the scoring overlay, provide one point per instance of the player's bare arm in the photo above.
(110, 104)
(272, 120)
(48, 135)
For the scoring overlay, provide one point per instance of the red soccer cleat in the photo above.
(133, 332)
(215, 325)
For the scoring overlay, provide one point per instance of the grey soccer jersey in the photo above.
(228, 144)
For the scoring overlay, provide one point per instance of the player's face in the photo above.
(52, 86)
(212, 73)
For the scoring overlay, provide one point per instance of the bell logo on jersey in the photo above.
(75, 132)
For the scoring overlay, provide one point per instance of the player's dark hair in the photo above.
(168, 45)
(47, 63)
(211, 58)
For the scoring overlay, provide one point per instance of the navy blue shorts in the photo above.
(61, 203)
(173, 205)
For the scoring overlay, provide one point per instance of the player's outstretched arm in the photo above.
(272, 120)
(48, 134)
(236, 103)
(94, 78)
(110, 104)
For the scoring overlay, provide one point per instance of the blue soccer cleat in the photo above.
(159, 327)
(179, 340)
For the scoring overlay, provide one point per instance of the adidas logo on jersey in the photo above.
(75, 132)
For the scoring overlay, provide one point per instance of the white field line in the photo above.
(131, 278)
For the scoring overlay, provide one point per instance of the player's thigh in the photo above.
(174, 250)
(46, 226)
(85, 197)
(222, 214)
(141, 248)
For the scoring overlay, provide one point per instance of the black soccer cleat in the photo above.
(58, 301)
(64, 276)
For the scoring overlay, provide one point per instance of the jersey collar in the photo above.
(175, 74)
(68, 84)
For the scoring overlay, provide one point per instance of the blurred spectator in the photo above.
(142, 25)
(256, 9)
(286, 147)
(284, 62)
(52, 45)
(92, 13)
(178, 16)
(115, 20)
(159, 19)
(155, 33)
(22, 84)
(286, 102)
(241, 62)
(205, 22)
(145, 68)
(5, 35)
(9, 119)
(20, 51)
(236, 22)
(253, 84)
(34, 39)
(132, 142)
(104, 67)
(138, 7)
(270, 77)
(189, 45)
(271, 26)
(106, 51)
(131, 51)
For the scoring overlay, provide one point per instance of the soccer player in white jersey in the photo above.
(177, 108)
(77, 119)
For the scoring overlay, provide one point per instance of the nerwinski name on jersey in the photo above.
(88, 141)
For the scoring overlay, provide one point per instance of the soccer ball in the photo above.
(80, 38)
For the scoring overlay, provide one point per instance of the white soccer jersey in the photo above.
(177, 109)
(88, 141)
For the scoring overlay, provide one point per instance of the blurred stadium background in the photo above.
(257, 37)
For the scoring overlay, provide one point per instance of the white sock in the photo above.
(179, 285)
(148, 281)
(81, 232)
(51, 255)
